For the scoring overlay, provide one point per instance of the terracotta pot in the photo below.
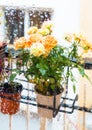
(9, 106)
(48, 102)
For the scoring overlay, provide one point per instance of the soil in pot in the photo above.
(12, 91)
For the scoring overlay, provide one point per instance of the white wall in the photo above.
(27, 3)
(66, 17)
(86, 18)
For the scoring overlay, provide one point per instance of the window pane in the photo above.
(38, 16)
(14, 23)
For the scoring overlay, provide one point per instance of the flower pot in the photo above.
(8, 106)
(48, 102)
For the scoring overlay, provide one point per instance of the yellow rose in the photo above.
(37, 49)
(32, 30)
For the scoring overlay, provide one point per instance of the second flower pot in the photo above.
(10, 98)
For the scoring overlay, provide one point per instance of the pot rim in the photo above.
(15, 91)
(62, 90)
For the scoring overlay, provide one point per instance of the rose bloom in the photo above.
(79, 37)
(43, 32)
(37, 49)
(20, 43)
(47, 24)
(49, 42)
(28, 43)
(85, 44)
(32, 30)
(35, 38)
(69, 37)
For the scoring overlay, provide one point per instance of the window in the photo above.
(14, 23)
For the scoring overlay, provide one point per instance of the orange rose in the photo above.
(35, 38)
(20, 43)
(49, 42)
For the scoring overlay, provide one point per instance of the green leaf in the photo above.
(81, 70)
(52, 87)
(74, 88)
(12, 76)
(43, 72)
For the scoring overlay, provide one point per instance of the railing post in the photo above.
(42, 123)
(27, 111)
(10, 122)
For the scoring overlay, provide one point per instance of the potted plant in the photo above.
(10, 91)
(45, 61)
